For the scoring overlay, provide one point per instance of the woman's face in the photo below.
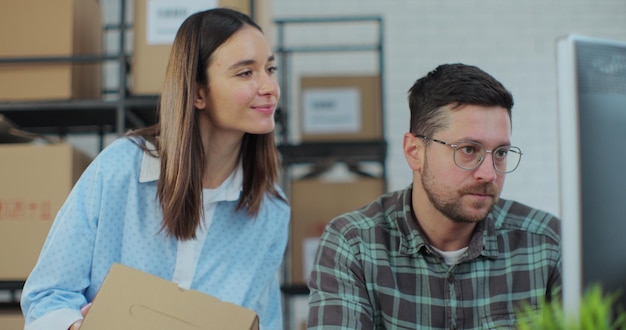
(243, 90)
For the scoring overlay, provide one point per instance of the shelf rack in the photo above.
(124, 111)
(99, 116)
(322, 154)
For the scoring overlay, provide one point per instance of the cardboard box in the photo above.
(314, 202)
(132, 299)
(11, 319)
(151, 48)
(344, 108)
(34, 182)
(42, 28)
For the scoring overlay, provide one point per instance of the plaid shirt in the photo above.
(374, 270)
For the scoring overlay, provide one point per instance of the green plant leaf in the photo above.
(597, 312)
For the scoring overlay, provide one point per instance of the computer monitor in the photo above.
(591, 76)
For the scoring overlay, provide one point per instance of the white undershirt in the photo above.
(188, 252)
(451, 257)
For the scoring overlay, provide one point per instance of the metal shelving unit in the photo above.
(322, 154)
(122, 111)
(115, 112)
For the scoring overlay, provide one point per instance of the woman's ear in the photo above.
(200, 102)
(413, 151)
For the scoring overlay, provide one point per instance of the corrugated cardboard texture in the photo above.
(315, 202)
(149, 62)
(41, 28)
(35, 180)
(11, 320)
(131, 299)
(371, 107)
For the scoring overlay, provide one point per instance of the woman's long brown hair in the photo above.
(177, 135)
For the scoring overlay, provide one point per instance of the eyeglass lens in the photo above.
(469, 155)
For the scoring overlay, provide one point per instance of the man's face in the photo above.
(466, 195)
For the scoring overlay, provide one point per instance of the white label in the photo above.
(331, 110)
(164, 17)
(309, 249)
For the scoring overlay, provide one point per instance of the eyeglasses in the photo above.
(468, 155)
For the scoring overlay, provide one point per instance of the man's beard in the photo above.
(452, 207)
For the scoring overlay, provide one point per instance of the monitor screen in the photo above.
(591, 75)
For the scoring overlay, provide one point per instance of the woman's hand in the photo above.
(84, 310)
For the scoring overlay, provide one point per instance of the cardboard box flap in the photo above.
(132, 299)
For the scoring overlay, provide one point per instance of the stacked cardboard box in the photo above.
(155, 26)
(340, 108)
(11, 320)
(42, 28)
(36, 180)
(314, 202)
(333, 108)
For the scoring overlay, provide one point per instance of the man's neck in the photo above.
(442, 232)
(445, 234)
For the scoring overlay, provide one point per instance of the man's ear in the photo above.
(200, 102)
(413, 151)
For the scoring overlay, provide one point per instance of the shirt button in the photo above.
(451, 278)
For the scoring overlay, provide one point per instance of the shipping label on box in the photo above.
(331, 110)
(132, 299)
(309, 251)
(340, 108)
(155, 25)
(164, 17)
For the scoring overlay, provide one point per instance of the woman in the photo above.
(193, 199)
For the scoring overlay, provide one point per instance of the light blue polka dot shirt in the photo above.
(112, 216)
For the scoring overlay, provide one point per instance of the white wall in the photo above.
(512, 40)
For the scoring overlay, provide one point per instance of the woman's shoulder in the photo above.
(277, 203)
(120, 154)
(122, 146)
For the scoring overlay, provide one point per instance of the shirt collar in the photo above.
(229, 190)
(411, 238)
(150, 164)
(484, 240)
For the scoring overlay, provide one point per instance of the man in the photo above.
(446, 252)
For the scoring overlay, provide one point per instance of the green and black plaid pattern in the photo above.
(374, 270)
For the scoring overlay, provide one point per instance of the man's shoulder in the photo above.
(377, 215)
(513, 215)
